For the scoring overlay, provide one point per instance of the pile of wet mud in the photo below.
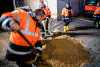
(60, 52)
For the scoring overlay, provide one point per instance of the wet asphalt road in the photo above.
(85, 32)
(81, 26)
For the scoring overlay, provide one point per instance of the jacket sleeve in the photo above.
(5, 23)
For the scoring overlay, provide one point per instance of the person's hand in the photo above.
(14, 26)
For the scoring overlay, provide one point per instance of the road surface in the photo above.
(90, 42)
(81, 27)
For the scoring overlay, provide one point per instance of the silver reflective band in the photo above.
(33, 65)
(30, 33)
(17, 52)
(97, 10)
(26, 31)
(5, 22)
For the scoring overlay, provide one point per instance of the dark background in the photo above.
(5, 6)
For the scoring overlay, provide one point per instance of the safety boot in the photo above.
(66, 28)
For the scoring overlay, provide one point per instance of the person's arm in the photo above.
(8, 24)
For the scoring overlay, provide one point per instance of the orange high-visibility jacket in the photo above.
(47, 11)
(97, 11)
(65, 12)
(27, 27)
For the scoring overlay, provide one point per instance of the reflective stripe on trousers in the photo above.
(17, 52)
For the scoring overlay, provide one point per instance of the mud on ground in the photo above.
(63, 52)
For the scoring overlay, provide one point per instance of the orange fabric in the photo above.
(64, 12)
(97, 11)
(16, 38)
(7, 14)
(47, 11)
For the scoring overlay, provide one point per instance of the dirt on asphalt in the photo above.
(63, 52)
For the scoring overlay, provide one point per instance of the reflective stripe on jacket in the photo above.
(97, 11)
(28, 28)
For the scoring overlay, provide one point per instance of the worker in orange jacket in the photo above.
(19, 49)
(42, 18)
(47, 13)
(66, 16)
(97, 15)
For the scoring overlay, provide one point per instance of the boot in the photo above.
(66, 28)
(47, 32)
